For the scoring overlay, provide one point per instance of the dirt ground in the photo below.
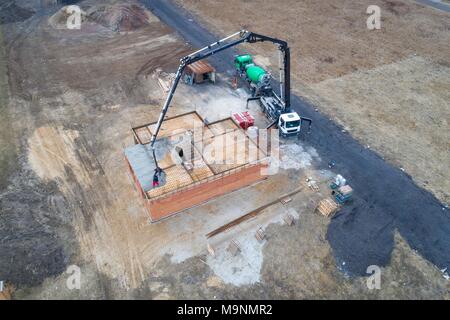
(67, 198)
(7, 142)
(389, 87)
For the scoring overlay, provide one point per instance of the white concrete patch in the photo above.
(294, 156)
(245, 267)
(216, 102)
(188, 229)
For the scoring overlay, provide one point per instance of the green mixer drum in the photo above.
(243, 60)
(255, 73)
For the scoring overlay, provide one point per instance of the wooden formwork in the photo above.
(196, 194)
(198, 180)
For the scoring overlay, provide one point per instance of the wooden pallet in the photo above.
(313, 186)
(288, 219)
(234, 248)
(260, 235)
(327, 207)
(312, 205)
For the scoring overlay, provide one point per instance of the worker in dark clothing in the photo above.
(156, 177)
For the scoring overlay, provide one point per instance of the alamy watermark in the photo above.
(374, 19)
(232, 147)
(374, 280)
(74, 17)
(73, 282)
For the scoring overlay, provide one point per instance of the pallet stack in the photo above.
(327, 207)
(260, 235)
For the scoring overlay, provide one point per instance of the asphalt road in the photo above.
(385, 197)
(436, 4)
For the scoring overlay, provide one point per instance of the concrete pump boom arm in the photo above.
(244, 36)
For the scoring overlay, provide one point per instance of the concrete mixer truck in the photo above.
(257, 78)
(260, 83)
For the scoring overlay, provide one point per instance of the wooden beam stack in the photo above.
(327, 207)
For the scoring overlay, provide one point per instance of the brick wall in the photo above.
(164, 207)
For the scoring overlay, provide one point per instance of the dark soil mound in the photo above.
(120, 17)
(10, 12)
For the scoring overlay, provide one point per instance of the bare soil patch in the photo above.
(121, 17)
(7, 139)
(10, 12)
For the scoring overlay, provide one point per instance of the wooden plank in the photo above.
(164, 84)
(211, 250)
(251, 214)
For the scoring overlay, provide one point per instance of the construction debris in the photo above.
(339, 181)
(343, 194)
(260, 235)
(251, 214)
(288, 219)
(165, 79)
(211, 250)
(313, 186)
(6, 291)
(312, 205)
(234, 248)
(345, 190)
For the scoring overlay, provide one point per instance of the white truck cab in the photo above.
(289, 124)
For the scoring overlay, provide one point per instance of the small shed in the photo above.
(198, 72)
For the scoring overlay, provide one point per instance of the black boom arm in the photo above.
(244, 36)
(285, 83)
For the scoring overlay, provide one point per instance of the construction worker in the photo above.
(156, 177)
(234, 83)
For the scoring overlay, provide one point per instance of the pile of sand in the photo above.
(120, 17)
(116, 17)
